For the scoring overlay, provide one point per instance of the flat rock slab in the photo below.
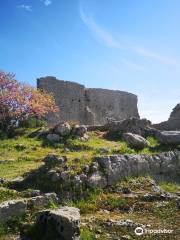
(168, 137)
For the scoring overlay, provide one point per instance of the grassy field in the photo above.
(22, 154)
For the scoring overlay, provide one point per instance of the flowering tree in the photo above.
(19, 101)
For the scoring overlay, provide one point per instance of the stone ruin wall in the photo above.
(173, 123)
(90, 106)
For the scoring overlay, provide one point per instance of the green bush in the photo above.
(33, 123)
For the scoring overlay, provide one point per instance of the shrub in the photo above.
(18, 102)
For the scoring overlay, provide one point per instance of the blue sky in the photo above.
(130, 45)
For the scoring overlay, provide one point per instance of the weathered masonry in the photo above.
(91, 106)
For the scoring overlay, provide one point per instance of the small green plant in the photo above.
(124, 149)
(86, 234)
(52, 205)
(7, 194)
(152, 141)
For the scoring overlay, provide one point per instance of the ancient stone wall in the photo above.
(88, 106)
(173, 123)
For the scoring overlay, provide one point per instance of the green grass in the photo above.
(113, 201)
(88, 204)
(7, 194)
(165, 211)
(28, 157)
(170, 187)
(21, 160)
(32, 151)
(16, 168)
(86, 234)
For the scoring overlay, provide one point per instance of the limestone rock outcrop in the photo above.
(103, 171)
(52, 137)
(161, 166)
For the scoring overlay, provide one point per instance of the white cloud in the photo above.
(101, 34)
(47, 2)
(153, 55)
(132, 65)
(26, 7)
(109, 40)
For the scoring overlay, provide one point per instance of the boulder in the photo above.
(42, 201)
(133, 125)
(31, 193)
(62, 223)
(53, 160)
(55, 177)
(86, 168)
(135, 141)
(94, 167)
(79, 130)
(16, 208)
(65, 176)
(168, 137)
(52, 137)
(13, 208)
(84, 138)
(63, 129)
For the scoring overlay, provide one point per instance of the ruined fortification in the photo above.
(173, 123)
(91, 106)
